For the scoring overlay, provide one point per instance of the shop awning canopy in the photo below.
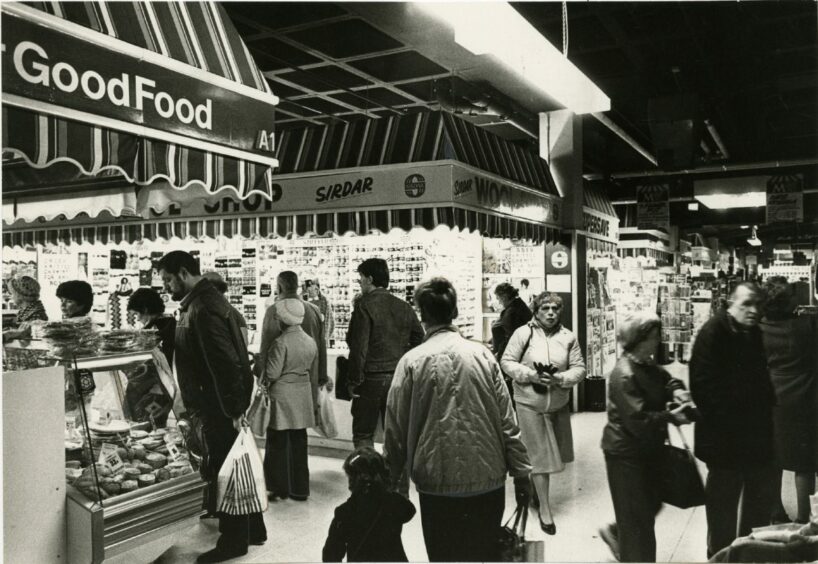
(321, 224)
(105, 86)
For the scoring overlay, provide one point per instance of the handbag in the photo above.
(513, 546)
(342, 379)
(258, 415)
(680, 482)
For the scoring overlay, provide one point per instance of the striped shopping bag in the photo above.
(241, 489)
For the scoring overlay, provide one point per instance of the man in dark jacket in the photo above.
(731, 387)
(215, 381)
(382, 329)
(515, 314)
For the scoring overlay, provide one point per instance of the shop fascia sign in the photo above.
(54, 66)
(475, 188)
(599, 225)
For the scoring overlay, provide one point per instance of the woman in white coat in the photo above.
(292, 357)
(544, 360)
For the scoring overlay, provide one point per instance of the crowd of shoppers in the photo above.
(449, 421)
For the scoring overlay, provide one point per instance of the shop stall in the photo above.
(98, 100)
(437, 215)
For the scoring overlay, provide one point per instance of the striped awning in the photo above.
(198, 34)
(596, 198)
(320, 224)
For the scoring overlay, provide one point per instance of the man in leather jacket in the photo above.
(382, 329)
(215, 381)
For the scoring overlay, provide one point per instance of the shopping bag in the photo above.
(325, 424)
(241, 489)
(342, 379)
(513, 546)
(258, 415)
(680, 482)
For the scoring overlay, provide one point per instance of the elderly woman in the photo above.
(790, 343)
(25, 293)
(292, 358)
(76, 298)
(544, 360)
(632, 440)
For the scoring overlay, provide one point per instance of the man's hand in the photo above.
(239, 422)
(352, 388)
(522, 490)
(681, 396)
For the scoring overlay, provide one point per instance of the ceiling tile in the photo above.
(372, 97)
(400, 66)
(271, 54)
(324, 79)
(277, 15)
(345, 39)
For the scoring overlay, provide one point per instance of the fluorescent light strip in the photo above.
(730, 201)
(486, 28)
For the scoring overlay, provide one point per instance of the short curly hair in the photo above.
(546, 298)
(636, 327)
(146, 300)
(506, 290)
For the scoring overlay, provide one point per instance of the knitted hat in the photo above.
(290, 311)
(26, 286)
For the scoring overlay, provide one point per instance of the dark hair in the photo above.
(525, 282)
(506, 290)
(367, 471)
(78, 291)
(175, 261)
(288, 280)
(779, 302)
(146, 300)
(377, 269)
(437, 300)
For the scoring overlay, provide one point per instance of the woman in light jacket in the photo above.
(544, 360)
(292, 357)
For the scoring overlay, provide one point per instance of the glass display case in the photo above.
(131, 482)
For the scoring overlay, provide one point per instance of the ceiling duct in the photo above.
(472, 102)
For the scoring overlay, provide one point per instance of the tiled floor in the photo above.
(580, 499)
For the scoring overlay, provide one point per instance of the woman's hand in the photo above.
(678, 416)
(550, 379)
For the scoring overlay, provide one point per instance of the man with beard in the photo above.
(215, 381)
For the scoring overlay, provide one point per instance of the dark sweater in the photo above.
(367, 528)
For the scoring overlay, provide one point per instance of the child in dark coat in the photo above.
(367, 526)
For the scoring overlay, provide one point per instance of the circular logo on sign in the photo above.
(559, 259)
(415, 185)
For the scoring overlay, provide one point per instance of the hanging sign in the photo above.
(785, 199)
(653, 207)
(46, 67)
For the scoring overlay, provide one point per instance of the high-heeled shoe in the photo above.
(548, 529)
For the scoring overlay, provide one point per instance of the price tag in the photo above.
(70, 427)
(105, 418)
(109, 457)
(173, 450)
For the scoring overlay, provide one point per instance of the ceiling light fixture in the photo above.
(730, 201)
(484, 28)
(693, 206)
(754, 241)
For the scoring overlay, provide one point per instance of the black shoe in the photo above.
(299, 497)
(259, 540)
(220, 554)
(609, 534)
(209, 515)
(550, 529)
(272, 496)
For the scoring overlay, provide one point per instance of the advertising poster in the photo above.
(653, 207)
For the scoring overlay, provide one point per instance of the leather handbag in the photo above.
(342, 379)
(680, 484)
(258, 415)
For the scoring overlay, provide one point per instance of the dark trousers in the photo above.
(285, 463)
(236, 530)
(369, 407)
(462, 529)
(726, 519)
(636, 500)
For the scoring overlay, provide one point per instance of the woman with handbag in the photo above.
(634, 436)
(544, 360)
